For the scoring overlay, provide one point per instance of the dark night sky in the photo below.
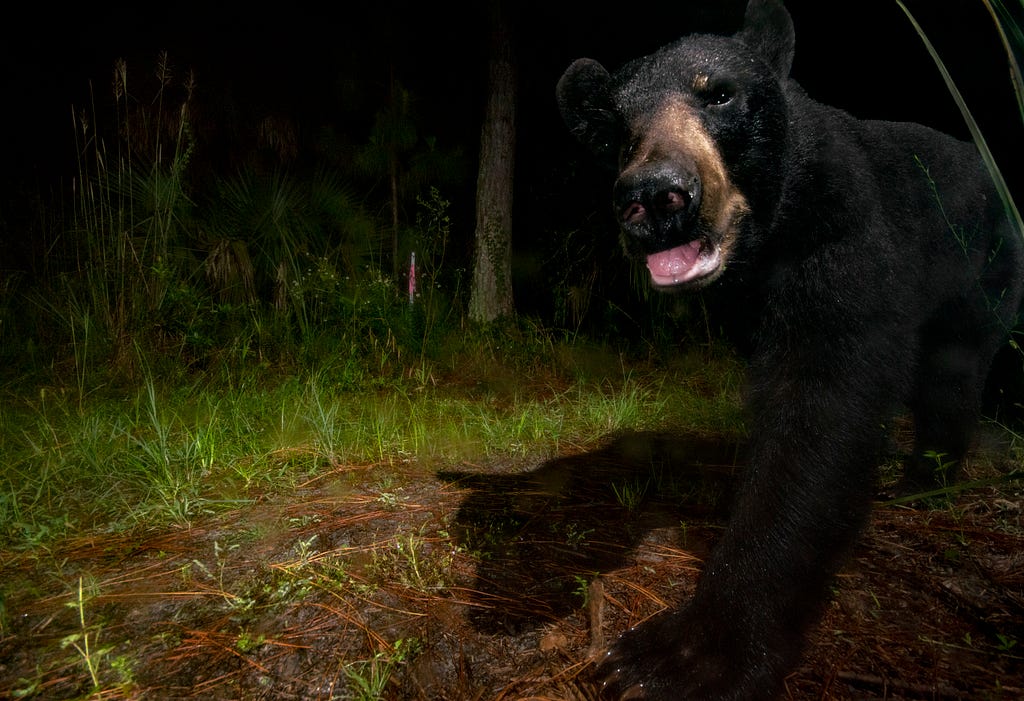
(863, 56)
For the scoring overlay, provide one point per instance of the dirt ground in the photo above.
(496, 581)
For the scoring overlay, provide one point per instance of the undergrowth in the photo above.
(168, 448)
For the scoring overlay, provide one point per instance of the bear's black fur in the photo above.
(866, 264)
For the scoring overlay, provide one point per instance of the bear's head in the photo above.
(697, 131)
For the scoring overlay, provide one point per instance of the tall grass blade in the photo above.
(1005, 23)
(997, 177)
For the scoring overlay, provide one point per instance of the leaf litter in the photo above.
(497, 581)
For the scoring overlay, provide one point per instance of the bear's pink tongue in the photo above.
(675, 264)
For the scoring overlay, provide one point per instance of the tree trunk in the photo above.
(393, 149)
(491, 294)
(393, 184)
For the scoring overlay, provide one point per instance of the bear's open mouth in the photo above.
(688, 263)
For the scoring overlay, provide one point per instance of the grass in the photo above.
(86, 641)
(368, 679)
(164, 451)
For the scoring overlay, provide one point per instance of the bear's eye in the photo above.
(718, 95)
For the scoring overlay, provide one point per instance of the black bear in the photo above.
(867, 265)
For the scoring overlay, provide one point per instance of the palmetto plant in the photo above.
(267, 232)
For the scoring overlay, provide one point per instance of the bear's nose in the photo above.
(656, 200)
(661, 202)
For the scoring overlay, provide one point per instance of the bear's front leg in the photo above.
(801, 504)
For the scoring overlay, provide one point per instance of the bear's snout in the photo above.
(657, 204)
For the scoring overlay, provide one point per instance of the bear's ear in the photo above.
(586, 107)
(768, 29)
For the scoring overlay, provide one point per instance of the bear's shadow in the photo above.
(537, 535)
